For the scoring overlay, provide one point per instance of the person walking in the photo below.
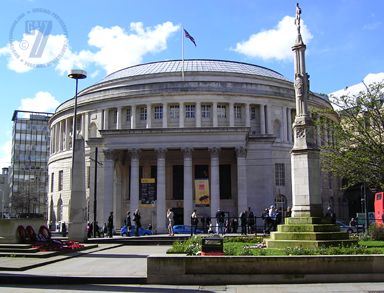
(137, 220)
(220, 218)
(110, 225)
(243, 222)
(251, 221)
(194, 221)
(170, 222)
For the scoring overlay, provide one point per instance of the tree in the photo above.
(357, 151)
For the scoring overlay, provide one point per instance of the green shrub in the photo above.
(376, 232)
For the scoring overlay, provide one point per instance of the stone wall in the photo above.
(197, 270)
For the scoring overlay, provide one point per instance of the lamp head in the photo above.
(77, 74)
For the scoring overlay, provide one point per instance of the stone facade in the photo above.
(227, 122)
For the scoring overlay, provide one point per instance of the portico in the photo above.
(130, 155)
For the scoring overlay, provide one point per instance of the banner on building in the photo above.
(147, 191)
(202, 197)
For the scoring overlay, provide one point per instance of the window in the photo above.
(52, 181)
(174, 112)
(253, 113)
(143, 113)
(128, 114)
(221, 111)
(189, 111)
(237, 110)
(279, 174)
(60, 180)
(206, 111)
(158, 112)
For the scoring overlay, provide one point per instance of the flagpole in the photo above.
(182, 52)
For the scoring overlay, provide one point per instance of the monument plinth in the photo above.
(306, 228)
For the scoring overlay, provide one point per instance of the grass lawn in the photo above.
(253, 246)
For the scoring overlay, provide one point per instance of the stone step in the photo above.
(305, 220)
(13, 245)
(309, 236)
(308, 228)
(19, 250)
(281, 244)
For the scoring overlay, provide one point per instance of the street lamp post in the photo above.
(75, 74)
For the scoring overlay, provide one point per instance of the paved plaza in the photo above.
(122, 268)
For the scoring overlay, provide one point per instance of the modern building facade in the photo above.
(29, 164)
(218, 138)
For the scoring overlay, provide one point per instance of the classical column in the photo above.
(247, 116)
(214, 114)
(108, 168)
(215, 183)
(188, 198)
(119, 118)
(262, 119)
(86, 126)
(181, 115)
(149, 116)
(135, 163)
(161, 222)
(60, 136)
(106, 119)
(231, 115)
(133, 117)
(268, 121)
(165, 115)
(67, 130)
(242, 199)
(284, 125)
(289, 124)
(198, 114)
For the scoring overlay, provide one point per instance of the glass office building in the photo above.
(28, 173)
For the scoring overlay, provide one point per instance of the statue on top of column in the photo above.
(298, 16)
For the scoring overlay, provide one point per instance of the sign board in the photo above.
(148, 191)
(202, 197)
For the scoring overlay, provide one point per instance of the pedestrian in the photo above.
(251, 221)
(105, 230)
(265, 217)
(128, 223)
(90, 230)
(194, 222)
(243, 222)
(220, 218)
(288, 213)
(331, 215)
(170, 222)
(235, 224)
(110, 225)
(64, 229)
(137, 220)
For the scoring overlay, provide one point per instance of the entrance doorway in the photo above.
(178, 216)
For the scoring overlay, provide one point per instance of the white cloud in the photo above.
(274, 43)
(22, 56)
(359, 87)
(117, 48)
(41, 102)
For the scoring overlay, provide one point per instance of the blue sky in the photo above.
(344, 43)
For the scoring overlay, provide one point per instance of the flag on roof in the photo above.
(187, 35)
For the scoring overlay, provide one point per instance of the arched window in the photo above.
(93, 130)
(60, 209)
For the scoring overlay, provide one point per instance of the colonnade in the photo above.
(188, 199)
